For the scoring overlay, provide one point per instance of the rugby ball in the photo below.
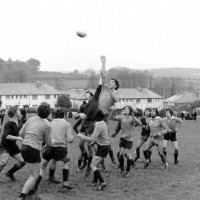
(81, 34)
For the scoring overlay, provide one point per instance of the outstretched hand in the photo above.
(103, 59)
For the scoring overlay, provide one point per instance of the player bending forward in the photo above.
(101, 137)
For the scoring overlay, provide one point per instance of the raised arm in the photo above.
(103, 61)
(99, 88)
(115, 117)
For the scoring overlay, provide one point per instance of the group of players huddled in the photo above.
(42, 136)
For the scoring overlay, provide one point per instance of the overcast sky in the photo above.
(138, 34)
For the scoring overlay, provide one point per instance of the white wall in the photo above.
(21, 100)
(143, 103)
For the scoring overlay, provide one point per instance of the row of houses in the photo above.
(32, 94)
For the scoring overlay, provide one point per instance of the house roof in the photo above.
(27, 89)
(142, 93)
(129, 93)
(184, 98)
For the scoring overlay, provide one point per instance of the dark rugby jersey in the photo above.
(92, 105)
(10, 128)
(145, 128)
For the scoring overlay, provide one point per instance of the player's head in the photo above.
(99, 115)
(88, 94)
(147, 112)
(23, 112)
(169, 112)
(154, 112)
(14, 111)
(128, 110)
(43, 110)
(59, 113)
(113, 84)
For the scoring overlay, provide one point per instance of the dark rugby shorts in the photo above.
(56, 153)
(170, 136)
(30, 155)
(102, 150)
(14, 150)
(125, 144)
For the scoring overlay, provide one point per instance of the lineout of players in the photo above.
(44, 138)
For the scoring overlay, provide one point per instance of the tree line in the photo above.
(18, 71)
(128, 78)
(27, 71)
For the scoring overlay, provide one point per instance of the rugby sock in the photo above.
(14, 169)
(163, 158)
(165, 152)
(98, 176)
(89, 161)
(118, 154)
(121, 162)
(176, 155)
(85, 156)
(103, 165)
(138, 152)
(95, 177)
(146, 154)
(111, 155)
(150, 152)
(65, 175)
(129, 163)
(22, 195)
(37, 182)
(51, 172)
(80, 159)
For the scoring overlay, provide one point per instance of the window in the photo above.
(0, 96)
(54, 96)
(20, 96)
(12, 96)
(138, 100)
(47, 96)
(16, 96)
(34, 97)
(25, 96)
(149, 100)
(7, 97)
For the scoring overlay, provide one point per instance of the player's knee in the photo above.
(164, 148)
(176, 151)
(3, 162)
(22, 163)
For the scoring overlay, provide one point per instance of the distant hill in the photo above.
(176, 72)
